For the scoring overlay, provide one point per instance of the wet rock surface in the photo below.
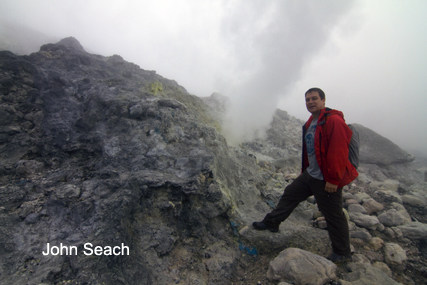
(95, 151)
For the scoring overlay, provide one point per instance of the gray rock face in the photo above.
(282, 147)
(375, 149)
(97, 151)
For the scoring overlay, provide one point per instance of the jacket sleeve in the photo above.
(338, 136)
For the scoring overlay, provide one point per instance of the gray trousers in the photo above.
(330, 204)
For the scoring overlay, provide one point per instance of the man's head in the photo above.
(315, 101)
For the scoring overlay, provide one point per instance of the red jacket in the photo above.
(331, 142)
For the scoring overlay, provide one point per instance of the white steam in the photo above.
(270, 47)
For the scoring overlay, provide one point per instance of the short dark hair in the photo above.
(318, 90)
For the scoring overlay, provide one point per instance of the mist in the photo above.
(270, 47)
(368, 56)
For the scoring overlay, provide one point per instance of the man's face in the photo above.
(314, 103)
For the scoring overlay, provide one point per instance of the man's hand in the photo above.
(331, 188)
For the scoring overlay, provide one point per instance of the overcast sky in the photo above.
(368, 56)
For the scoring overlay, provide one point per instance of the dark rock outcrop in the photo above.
(96, 150)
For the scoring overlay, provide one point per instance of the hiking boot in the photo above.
(337, 259)
(260, 226)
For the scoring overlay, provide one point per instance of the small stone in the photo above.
(135, 111)
(383, 267)
(392, 218)
(363, 235)
(414, 201)
(357, 208)
(394, 254)
(376, 243)
(372, 206)
(350, 202)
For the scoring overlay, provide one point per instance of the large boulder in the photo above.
(301, 267)
(376, 149)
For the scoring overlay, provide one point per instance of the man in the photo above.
(325, 170)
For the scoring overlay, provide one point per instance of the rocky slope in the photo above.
(95, 151)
